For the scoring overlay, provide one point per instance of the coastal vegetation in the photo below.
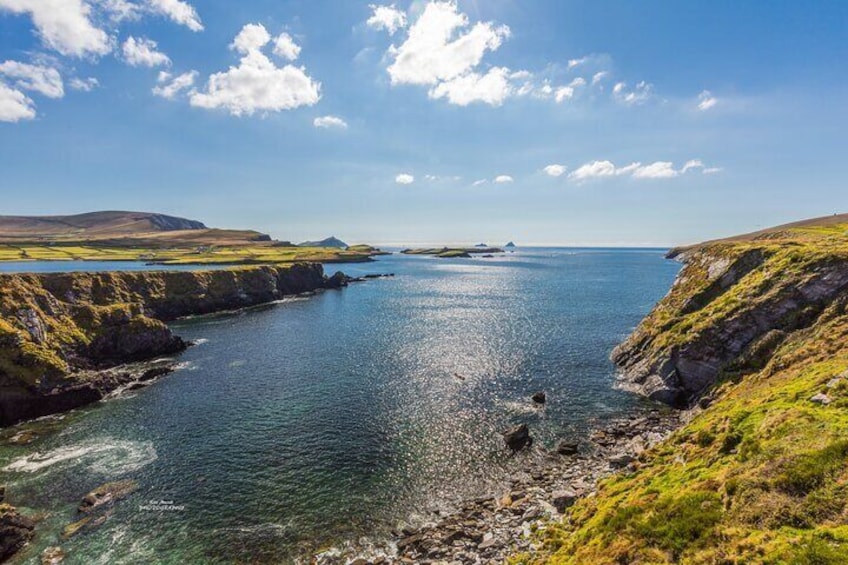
(158, 239)
(759, 474)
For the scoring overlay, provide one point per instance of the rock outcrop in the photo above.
(732, 305)
(60, 332)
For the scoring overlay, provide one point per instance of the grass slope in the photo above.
(759, 476)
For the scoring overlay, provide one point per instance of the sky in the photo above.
(567, 122)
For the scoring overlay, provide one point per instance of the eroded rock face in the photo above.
(730, 308)
(54, 326)
(15, 531)
(518, 437)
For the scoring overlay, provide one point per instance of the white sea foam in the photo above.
(201, 341)
(107, 456)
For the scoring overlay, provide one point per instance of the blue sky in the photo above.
(545, 122)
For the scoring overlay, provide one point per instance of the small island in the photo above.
(453, 252)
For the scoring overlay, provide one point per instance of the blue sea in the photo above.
(319, 420)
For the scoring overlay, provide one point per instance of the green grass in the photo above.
(759, 477)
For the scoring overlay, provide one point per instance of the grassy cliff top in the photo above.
(761, 474)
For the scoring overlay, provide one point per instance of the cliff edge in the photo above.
(62, 335)
(753, 336)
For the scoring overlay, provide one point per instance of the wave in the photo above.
(107, 456)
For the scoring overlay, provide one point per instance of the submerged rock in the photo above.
(107, 494)
(518, 437)
(52, 556)
(539, 397)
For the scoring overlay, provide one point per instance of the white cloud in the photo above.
(555, 170)
(692, 164)
(38, 78)
(479, 182)
(285, 47)
(492, 88)
(388, 18)
(656, 170)
(84, 84)
(577, 62)
(169, 86)
(440, 46)
(640, 94)
(706, 100)
(15, 105)
(178, 11)
(63, 25)
(599, 76)
(601, 169)
(119, 10)
(328, 122)
(503, 179)
(404, 178)
(252, 37)
(257, 84)
(143, 52)
(711, 170)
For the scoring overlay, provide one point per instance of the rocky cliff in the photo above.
(754, 337)
(731, 307)
(63, 334)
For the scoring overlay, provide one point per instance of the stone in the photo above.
(539, 397)
(518, 437)
(15, 531)
(107, 494)
(566, 447)
(52, 556)
(562, 499)
(620, 460)
(821, 398)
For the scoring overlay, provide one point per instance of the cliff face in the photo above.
(59, 331)
(732, 305)
(759, 474)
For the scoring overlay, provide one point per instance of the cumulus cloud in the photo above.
(655, 170)
(440, 46)
(443, 50)
(15, 105)
(598, 77)
(285, 47)
(37, 78)
(143, 52)
(63, 25)
(169, 86)
(177, 11)
(329, 122)
(84, 84)
(601, 169)
(388, 18)
(555, 170)
(404, 178)
(257, 84)
(640, 94)
(706, 101)
(503, 179)
(491, 88)
(577, 62)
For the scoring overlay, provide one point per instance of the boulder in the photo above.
(620, 460)
(15, 531)
(562, 499)
(338, 280)
(539, 397)
(821, 398)
(566, 447)
(518, 437)
(107, 494)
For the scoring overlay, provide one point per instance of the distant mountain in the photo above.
(329, 242)
(481, 245)
(94, 224)
(510, 244)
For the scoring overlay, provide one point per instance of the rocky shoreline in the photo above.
(491, 528)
